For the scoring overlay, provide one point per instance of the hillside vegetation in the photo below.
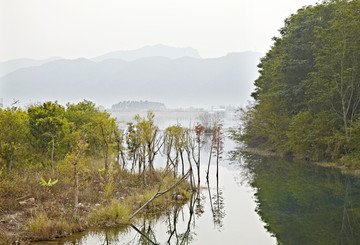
(308, 92)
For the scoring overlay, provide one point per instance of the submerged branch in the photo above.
(157, 194)
(141, 233)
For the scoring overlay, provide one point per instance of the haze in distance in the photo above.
(178, 77)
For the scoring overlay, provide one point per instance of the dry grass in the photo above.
(42, 228)
(30, 211)
(115, 213)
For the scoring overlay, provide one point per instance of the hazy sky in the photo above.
(86, 28)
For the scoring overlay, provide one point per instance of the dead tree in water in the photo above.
(189, 147)
(199, 132)
(218, 149)
(216, 142)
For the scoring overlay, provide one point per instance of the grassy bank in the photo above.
(32, 211)
(345, 165)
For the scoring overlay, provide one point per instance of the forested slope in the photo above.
(308, 92)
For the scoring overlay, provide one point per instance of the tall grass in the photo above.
(116, 213)
(41, 227)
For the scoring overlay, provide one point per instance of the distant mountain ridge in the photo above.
(150, 51)
(13, 65)
(185, 81)
(176, 76)
(125, 55)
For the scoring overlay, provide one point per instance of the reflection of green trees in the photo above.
(305, 204)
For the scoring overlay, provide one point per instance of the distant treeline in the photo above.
(308, 93)
(137, 105)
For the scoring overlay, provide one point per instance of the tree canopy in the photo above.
(308, 92)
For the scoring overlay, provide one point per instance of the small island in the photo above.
(137, 106)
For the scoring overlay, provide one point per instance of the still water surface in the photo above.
(256, 200)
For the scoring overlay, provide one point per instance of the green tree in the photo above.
(107, 130)
(45, 123)
(150, 138)
(307, 96)
(133, 145)
(335, 83)
(82, 117)
(174, 144)
(13, 134)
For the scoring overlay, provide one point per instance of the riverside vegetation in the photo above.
(307, 97)
(64, 169)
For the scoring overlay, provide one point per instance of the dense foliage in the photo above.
(45, 133)
(308, 92)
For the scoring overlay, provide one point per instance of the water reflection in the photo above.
(217, 205)
(176, 234)
(301, 203)
(187, 214)
(220, 211)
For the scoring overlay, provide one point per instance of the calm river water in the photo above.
(256, 200)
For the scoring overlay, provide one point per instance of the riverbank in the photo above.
(32, 209)
(344, 168)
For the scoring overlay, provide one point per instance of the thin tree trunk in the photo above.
(52, 153)
(76, 195)
(198, 164)
(217, 159)
(208, 168)
(182, 163)
(118, 153)
(123, 158)
(106, 163)
(192, 179)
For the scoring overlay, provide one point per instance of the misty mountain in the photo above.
(183, 82)
(13, 65)
(150, 51)
(127, 55)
